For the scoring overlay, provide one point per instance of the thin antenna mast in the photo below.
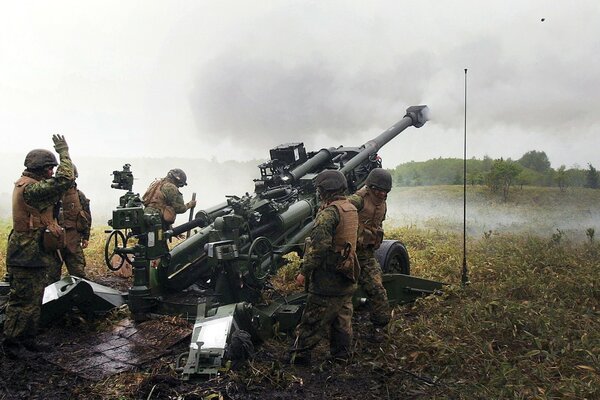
(464, 276)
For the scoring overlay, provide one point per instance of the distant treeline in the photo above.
(532, 169)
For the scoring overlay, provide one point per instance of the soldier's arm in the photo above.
(47, 193)
(321, 238)
(357, 201)
(66, 169)
(174, 198)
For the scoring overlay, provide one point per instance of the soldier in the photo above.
(330, 270)
(370, 202)
(163, 196)
(76, 219)
(33, 242)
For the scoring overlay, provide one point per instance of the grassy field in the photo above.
(527, 326)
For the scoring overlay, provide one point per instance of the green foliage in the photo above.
(590, 232)
(439, 171)
(526, 327)
(592, 180)
(535, 160)
(502, 175)
(561, 177)
(536, 171)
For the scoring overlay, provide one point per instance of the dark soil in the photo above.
(266, 376)
(372, 373)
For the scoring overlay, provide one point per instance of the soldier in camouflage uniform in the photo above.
(34, 241)
(75, 217)
(163, 196)
(331, 270)
(370, 202)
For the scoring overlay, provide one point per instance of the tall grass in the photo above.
(526, 327)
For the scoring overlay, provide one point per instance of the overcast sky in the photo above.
(231, 79)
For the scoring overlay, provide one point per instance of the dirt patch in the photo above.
(74, 368)
(125, 347)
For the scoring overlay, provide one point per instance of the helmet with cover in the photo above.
(178, 176)
(40, 158)
(331, 180)
(379, 179)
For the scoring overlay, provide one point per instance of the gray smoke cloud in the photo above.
(531, 85)
(260, 103)
(231, 79)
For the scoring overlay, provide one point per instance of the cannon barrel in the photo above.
(322, 156)
(249, 233)
(178, 230)
(415, 116)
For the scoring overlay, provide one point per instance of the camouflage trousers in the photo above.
(24, 301)
(72, 256)
(370, 281)
(325, 315)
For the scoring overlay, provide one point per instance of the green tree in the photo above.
(591, 177)
(527, 177)
(535, 160)
(503, 175)
(561, 177)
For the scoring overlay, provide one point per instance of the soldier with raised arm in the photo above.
(34, 242)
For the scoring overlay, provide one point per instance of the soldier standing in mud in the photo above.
(163, 196)
(331, 270)
(370, 202)
(76, 219)
(34, 242)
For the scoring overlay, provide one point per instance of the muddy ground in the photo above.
(68, 371)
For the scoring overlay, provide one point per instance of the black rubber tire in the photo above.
(393, 257)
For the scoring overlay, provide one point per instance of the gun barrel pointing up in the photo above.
(415, 116)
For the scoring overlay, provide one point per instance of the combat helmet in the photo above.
(331, 180)
(40, 158)
(178, 176)
(379, 178)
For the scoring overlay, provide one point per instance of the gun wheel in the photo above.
(393, 257)
(260, 251)
(115, 240)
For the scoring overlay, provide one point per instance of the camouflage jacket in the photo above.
(164, 196)
(25, 248)
(320, 261)
(371, 214)
(75, 212)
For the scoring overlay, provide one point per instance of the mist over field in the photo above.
(535, 210)
(540, 211)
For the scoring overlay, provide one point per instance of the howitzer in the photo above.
(239, 243)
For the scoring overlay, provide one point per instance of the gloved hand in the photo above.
(60, 144)
(191, 204)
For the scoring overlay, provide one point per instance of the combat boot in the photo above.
(340, 357)
(36, 346)
(13, 348)
(296, 358)
(377, 335)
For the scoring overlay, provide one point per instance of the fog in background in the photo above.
(211, 181)
(429, 208)
(193, 84)
(230, 79)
